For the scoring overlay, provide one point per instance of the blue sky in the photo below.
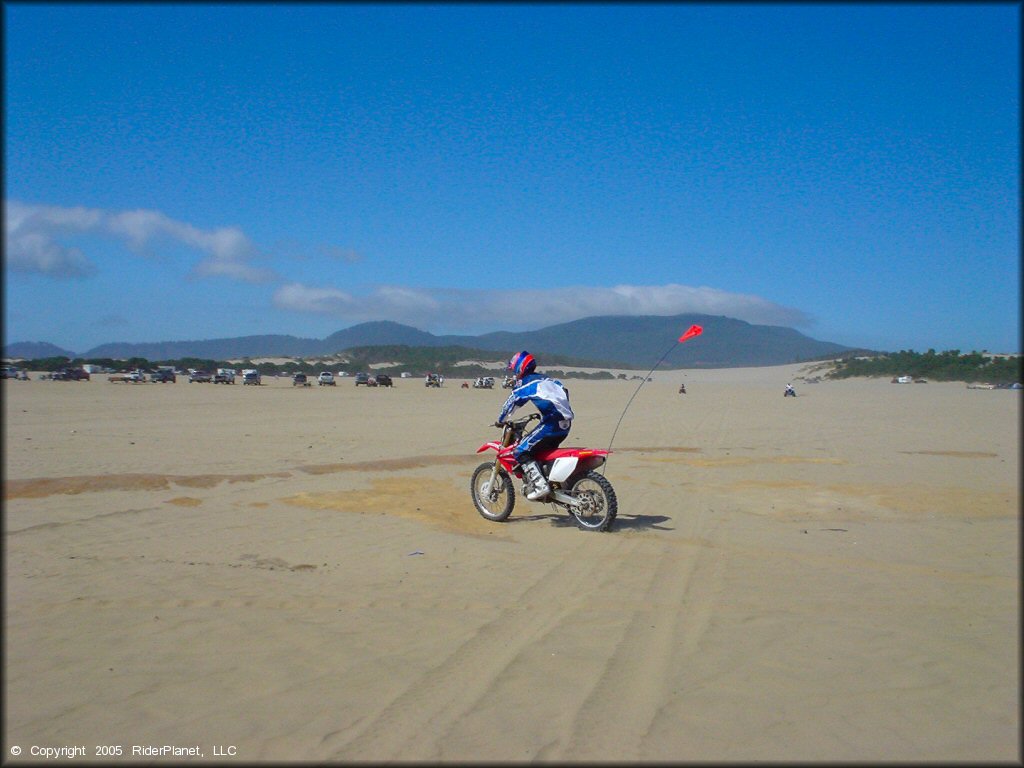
(199, 171)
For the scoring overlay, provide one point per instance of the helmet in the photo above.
(522, 364)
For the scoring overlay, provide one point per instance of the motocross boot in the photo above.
(538, 484)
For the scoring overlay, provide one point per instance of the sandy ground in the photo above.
(298, 574)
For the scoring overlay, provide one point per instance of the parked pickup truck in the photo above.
(199, 376)
(163, 376)
(224, 376)
(70, 374)
(251, 376)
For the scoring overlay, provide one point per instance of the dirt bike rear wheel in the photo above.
(598, 505)
(495, 505)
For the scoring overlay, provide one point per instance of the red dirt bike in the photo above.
(585, 494)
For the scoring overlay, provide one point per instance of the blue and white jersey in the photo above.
(548, 396)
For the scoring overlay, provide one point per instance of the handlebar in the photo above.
(517, 423)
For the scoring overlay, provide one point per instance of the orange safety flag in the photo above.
(695, 330)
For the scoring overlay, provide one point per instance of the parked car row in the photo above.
(221, 376)
(70, 374)
(378, 380)
(138, 376)
(10, 372)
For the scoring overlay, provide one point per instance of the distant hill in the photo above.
(381, 333)
(213, 349)
(641, 341)
(612, 341)
(34, 350)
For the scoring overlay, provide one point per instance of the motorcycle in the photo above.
(576, 487)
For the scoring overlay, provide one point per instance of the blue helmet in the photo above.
(521, 364)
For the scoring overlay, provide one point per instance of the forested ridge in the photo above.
(951, 365)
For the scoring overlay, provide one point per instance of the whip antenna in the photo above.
(694, 330)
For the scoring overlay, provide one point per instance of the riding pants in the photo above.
(546, 437)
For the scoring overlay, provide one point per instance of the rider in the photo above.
(551, 398)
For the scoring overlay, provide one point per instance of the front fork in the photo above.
(486, 489)
(506, 440)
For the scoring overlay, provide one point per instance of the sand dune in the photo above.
(299, 574)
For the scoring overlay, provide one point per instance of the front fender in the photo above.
(493, 445)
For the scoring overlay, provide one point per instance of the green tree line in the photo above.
(950, 365)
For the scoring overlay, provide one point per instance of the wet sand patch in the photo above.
(956, 454)
(919, 501)
(435, 502)
(274, 563)
(387, 465)
(662, 449)
(743, 461)
(880, 502)
(41, 487)
(774, 484)
(185, 501)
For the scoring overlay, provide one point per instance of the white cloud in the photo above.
(36, 240)
(34, 237)
(325, 301)
(456, 311)
(235, 270)
(29, 244)
(32, 252)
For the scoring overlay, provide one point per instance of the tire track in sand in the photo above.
(671, 613)
(409, 727)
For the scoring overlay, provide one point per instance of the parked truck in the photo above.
(225, 376)
(250, 376)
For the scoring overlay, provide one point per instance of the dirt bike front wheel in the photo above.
(493, 503)
(597, 505)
